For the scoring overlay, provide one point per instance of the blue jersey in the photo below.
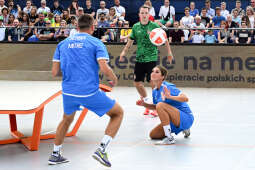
(78, 56)
(156, 94)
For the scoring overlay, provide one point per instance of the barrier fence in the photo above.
(194, 65)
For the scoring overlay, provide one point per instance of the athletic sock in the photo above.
(105, 142)
(56, 150)
(167, 130)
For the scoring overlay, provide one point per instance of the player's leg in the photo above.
(70, 107)
(157, 132)
(140, 73)
(101, 105)
(167, 114)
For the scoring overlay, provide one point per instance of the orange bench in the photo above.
(32, 142)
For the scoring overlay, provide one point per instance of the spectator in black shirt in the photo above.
(46, 34)
(73, 8)
(33, 15)
(16, 33)
(176, 35)
(89, 9)
(57, 9)
(204, 19)
(66, 16)
(243, 36)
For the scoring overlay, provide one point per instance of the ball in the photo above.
(158, 36)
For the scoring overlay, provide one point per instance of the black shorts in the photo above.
(143, 70)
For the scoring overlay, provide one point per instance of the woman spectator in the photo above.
(57, 21)
(112, 18)
(223, 34)
(246, 20)
(73, 8)
(20, 16)
(62, 32)
(5, 14)
(74, 30)
(13, 8)
(152, 10)
(26, 23)
(33, 15)
(250, 14)
(11, 20)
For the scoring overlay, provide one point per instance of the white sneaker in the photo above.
(166, 141)
(186, 133)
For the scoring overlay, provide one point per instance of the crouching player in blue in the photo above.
(79, 58)
(174, 113)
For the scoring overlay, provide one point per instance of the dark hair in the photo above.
(85, 21)
(144, 6)
(163, 71)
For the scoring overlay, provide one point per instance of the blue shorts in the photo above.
(98, 103)
(186, 121)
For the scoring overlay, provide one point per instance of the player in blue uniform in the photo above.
(79, 58)
(174, 113)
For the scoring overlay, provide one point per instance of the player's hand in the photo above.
(113, 83)
(166, 93)
(122, 57)
(170, 58)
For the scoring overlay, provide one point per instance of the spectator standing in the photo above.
(120, 10)
(218, 18)
(240, 11)
(102, 9)
(176, 35)
(15, 34)
(27, 9)
(43, 9)
(89, 9)
(57, 9)
(243, 36)
(223, 11)
(2, 29)
(193, 11)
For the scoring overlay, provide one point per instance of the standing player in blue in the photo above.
(79, 57)
(173, 111)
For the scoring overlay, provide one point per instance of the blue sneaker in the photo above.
(102, 157)
(57, 159)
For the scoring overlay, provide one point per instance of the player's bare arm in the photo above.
(126, 48)
(107, 71)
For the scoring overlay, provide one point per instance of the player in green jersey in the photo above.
(146, 54)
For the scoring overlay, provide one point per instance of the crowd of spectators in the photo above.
(207, 25)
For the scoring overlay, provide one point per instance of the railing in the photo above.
(116, 31)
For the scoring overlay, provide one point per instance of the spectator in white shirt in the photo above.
(102, 9)
(43, 9)
(196, 36)
(186, 22)
(223, 11)
(28, 7)
(120, 10)
(2, 5)
(198, 23)
(166, 14)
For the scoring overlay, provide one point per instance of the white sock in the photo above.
(167, 130)
(146, 100)
(105, 142)
(56, 148)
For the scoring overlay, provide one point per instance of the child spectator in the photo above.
(210, 37)
(124, 33)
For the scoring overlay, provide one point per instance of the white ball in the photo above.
(158, 36)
